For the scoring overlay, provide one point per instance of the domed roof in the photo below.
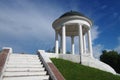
(72, 17)
(72, 13)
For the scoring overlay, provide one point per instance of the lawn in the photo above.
(75, 71)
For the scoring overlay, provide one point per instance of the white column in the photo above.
(90, 43)
(72, 45)
(63, 39)
(80, 42)
(84, 43)
(56, 43)
(61, 44)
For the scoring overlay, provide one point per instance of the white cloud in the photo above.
(28, 23)
(118, 49)
(97, 50)
(23, 21)
(95, 32)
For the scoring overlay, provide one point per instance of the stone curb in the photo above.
(3, 60)
(50, 67)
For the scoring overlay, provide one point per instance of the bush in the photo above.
(111, 58)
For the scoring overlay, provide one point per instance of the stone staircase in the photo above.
(24, 67)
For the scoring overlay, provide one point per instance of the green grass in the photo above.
(75, 71)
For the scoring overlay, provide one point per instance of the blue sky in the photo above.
(26, 25)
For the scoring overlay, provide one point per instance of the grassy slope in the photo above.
(75, 71)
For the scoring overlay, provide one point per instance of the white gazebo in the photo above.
(73, 24)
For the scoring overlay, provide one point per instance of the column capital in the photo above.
(62, 25)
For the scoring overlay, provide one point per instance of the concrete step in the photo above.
(18, 74)
(23, 63)
(22, 55)
(24, 66)
(22, 60)
(19, 56)
(24, 69)
(28, 78)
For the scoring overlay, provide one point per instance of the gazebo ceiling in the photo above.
(72, 30)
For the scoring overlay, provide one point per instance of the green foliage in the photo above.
(75, 71)
(111, 58)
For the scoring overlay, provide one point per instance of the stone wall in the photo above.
(86, 60)
(3, 58)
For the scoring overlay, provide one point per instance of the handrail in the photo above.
(4, 55)
(49, 66)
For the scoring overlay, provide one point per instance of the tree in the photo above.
(111, 58)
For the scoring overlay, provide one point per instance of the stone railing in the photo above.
(49, 66)
(4, 55)
(87, 60)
